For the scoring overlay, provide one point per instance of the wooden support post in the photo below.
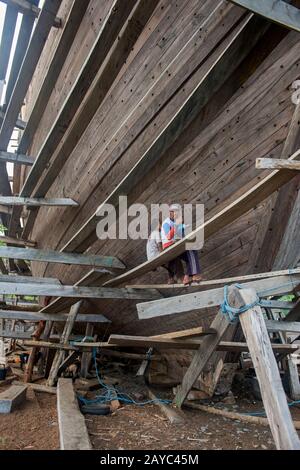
(201, 357)
(34, 350)
(293, 378)
(274, 399)
(64, 339)
(86, 356)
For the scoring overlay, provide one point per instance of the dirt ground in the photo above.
(32, 426)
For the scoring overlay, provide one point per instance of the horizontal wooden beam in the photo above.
(214, 297)
(197, 331)
(58, 317)
(289, 327)
(234, 50)
(29, 279)
(229, 214)
(26, 7)
(146, 342)
(276, 164)
(214, 282)
(37, 202)
(17, 241)
(51, 256)
(76, 291)
(95, 277)
(16, 158)
(278, 11)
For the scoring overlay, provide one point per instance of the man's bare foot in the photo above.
(197, 278)
(186, 279)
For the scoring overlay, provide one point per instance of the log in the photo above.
(276, 164)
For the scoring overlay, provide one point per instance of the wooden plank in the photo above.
(77, 291)
(191, 344)
(231, 415)
(231, 55)
(26, 7)
(16, 158)
(38, 38)
(198, 331)
(8, 31)
(276, 326)
(37, 202)
(68, 34)
(48, 344)
(229, 214)
(92, 278)
(214, 297)
(86, 356)
(212, 282)
(273, 395)
(3, 268)
(293, 378)
(104, 41)
(17, 241)
(11, 398)
(73, 434)
(51, 256)
(90, 103)
(172, 414)
(22, 42)
(20, 124)
(38, 387)
(57, 317)
(201, 357)
(276, 164)
(29, 279)
(278, 11)
(59, 355)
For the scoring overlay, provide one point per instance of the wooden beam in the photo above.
(23, 39)
(51, 256)
(20, 124)
(17, 241)
(16, 158)
(213, 282)
(276, 164)
(116, 56)
(76, 291)
(73, 433)
(198, 331)
(57, 317)
(273, 395)
(37, 202)
(190, 344)
(95, 277)
(86, 356)
(38, 38)
(25, 6)
(59, 355)
(287, 326)
(107, 35)
(204, 299)
(11, 278)
(231, 55)
(8, 32)
(229, 214)
(68, 34)
(278, 11)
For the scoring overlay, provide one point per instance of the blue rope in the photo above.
(263, 413)
(231, 313)
(112, 393)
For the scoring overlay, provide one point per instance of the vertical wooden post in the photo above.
(201, 357)
(59, 355)
(86, 356)
(293, 378)
(258, 341)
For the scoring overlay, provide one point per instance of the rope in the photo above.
(263, 413)
(231, 313)
(112, 393)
